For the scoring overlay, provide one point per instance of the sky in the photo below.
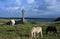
(33, 8)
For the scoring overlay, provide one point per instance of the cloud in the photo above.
(30, 1)
(12, 5)
(10, 12)
(53, 5)
(3, 0)
(10, 9)
(46, 8)
(35, 7)
(18, 2)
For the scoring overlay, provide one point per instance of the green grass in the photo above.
(21, 31)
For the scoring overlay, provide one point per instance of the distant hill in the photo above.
(57, 19)
(20, 18)
(9, 18)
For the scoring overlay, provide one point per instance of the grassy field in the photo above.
(21, 31)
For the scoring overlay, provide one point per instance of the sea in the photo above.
(35, 19)
(41, 20)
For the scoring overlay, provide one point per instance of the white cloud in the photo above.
(53, 5)
(30, 1)
(40, 12)
(50, 1)
(18, 2)
(12, 8)
(9, 9)
(55, 8)
(47, 0)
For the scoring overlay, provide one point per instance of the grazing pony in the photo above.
(35, 31)
(51, 29)
(12, 22)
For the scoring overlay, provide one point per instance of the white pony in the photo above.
(35, 31)
(13, 22)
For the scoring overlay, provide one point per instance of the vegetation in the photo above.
(21, 31)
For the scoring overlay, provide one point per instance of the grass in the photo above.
(21, 31)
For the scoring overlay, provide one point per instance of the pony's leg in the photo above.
(34, 34)
(55, 32)
(41, 34)
(47, 31)
(13, 24)
(37, 34)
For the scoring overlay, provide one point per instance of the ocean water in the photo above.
(40, 20)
